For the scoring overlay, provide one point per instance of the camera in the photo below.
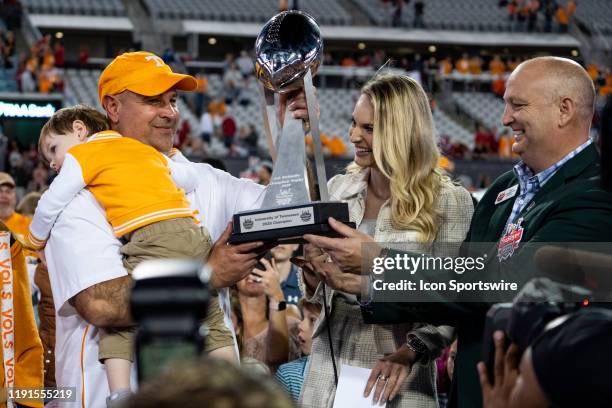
(169, 301)
(540, 301)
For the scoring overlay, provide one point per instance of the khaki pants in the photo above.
(174, 238)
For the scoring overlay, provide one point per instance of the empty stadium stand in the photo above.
(325, 11)
(485, 108)
(446, 126)
(596, 14)
(478, 15)
(473, 15)
(77, 7)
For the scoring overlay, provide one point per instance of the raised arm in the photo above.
(277, 342)
(61, 191)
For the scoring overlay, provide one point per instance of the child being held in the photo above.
(135, 185)
(291, 375)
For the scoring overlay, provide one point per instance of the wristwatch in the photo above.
(280, 306)
(415, 344)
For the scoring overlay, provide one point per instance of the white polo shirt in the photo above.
(82, 251)
(217, 196)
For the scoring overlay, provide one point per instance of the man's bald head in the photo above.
(564, 78)
(549, 106)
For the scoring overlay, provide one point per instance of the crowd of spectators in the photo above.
(488, 144)
(526, 14)
(23, 163)
(7, 49)
(38, 71)
(219, 133)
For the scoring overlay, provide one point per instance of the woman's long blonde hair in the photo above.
(405, 152)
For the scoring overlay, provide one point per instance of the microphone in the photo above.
(590, 269)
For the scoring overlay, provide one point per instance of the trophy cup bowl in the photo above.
(287, 46)
(288, 52)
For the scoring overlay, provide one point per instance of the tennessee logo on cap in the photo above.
(143, 73)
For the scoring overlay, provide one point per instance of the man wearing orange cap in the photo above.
(139, 93)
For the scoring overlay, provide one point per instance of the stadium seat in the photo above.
(325, 11)
(76, 7)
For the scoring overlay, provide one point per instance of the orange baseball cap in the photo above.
(143, 73)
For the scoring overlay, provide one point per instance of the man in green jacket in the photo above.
(552, 195)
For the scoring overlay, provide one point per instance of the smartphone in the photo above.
(268, 257)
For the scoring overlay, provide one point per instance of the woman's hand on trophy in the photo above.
(311, 252)
(351, 252)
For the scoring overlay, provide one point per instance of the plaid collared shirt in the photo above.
(530, 184)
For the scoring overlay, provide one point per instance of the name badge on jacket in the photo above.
(506, 194)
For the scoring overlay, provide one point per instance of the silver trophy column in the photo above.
(288, 51)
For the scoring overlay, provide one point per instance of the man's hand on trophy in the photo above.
(231, 263)
(296, 102)
(351, 252)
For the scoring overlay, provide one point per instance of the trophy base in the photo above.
(287, 224)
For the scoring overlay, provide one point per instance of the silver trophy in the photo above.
(288, 52)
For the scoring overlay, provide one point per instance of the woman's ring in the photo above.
(383, 377)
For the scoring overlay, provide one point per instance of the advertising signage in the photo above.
(23, 115)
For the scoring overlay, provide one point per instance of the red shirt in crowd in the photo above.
(84, 56)
(229, 127)
(58, 55)
(485, 139)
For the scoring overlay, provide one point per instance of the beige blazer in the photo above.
(456, 207)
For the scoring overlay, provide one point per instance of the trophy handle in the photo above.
(316, 136)
(270, 119)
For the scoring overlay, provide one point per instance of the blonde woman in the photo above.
(396, 193)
